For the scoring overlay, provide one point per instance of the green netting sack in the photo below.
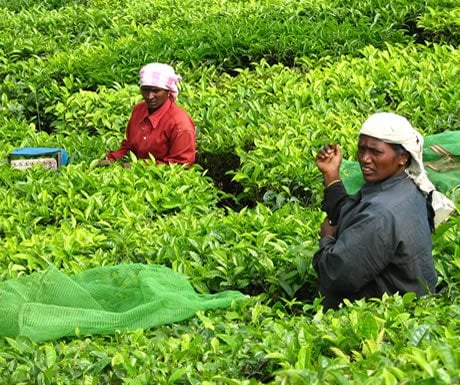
(441, 157)
(50, 304)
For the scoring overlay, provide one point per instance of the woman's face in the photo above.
(154, 97)
(379, 160)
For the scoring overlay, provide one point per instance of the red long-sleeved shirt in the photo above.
(168, 134)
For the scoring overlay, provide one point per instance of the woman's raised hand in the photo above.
(328, 161)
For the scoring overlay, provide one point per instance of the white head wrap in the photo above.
(160, 75)
(393, 128)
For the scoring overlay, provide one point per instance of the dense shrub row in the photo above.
(256, 114)
(101, 43)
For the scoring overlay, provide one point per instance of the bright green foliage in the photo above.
(267, 82)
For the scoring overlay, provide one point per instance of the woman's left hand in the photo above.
(327, 229)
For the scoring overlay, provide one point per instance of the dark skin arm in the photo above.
(103, 162)
(328, 161)
(107, 162)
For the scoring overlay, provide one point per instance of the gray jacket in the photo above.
(383, 243)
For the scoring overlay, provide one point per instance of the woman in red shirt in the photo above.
(158, 127)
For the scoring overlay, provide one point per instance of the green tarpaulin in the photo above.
(51, 304)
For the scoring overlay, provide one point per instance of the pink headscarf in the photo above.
(160, 75)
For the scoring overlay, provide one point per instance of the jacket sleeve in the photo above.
(360, 253)
(121, 152)
(334, 197)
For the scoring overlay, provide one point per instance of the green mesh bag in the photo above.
(441, 157)
(51, 305)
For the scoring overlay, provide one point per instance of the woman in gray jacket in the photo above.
(378, 240)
